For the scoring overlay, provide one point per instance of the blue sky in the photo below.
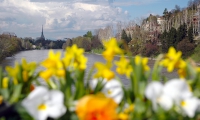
(72, 18)
(154, 7)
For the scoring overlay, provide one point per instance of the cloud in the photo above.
(132, 2)
(61, 18)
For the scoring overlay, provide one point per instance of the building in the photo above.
(42, 35)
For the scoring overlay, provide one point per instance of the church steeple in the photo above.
(42, 35)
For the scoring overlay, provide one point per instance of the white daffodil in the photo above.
(154, 93)
(177, 89)
(42, 103)
(112, 89)
(190, 106)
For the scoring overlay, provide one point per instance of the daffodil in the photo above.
(53, 60)
(5, 82)
(124, 67)
(103, 71)
(144, 61)
(112, 89)
(54, 66)
(14, 72)
(42, 103)
(125, 114)
(112, 49)
(96, 107)
(74, 58)
(173, 60)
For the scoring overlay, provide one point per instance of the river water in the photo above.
(40, 55)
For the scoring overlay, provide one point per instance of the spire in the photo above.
(42, 35)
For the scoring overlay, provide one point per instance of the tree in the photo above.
(125, 37)
(164, 41)
(190, 34)
(181, 33)
(88, 34)
(172, 37)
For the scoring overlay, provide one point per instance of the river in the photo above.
(40, 55)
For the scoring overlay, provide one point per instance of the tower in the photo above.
(42, 35)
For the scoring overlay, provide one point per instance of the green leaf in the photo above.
(16, 93)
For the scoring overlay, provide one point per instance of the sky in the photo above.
(71, 18)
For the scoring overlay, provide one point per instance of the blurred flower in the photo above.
(5, 82)
(112, 49)
(96, 107)
(28, 69)
(174, 92)
(177, 89)
(21, 71)
(53, 60)
(144, 61)
(124, 67)
(154, 93)
(1, 99)
(42, 103)
(173, 60)
(103, 71)
(124, 115)
(190, 105)
(112, 89)
(54, 66)
(14, 72)
(74, 58)
(46, 74)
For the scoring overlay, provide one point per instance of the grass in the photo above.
(97, 50)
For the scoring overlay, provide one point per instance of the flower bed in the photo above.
(70, 95)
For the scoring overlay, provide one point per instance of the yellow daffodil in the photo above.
(28, 66)
(112, 49)
(143, 61)
(54, 66)
(173, 60)
(13, 71)
(74, 58)
(5, 82)
(124, 67)
(103, 71)
(46, 74)
(124, 115)
(96, 107)
(53, 61)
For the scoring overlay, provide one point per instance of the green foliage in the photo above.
(181, 32)
(125, 37)
(98, 50)
(196, 54)
(9, 46)
(88, 34)
(190, 34)
(164, 41)
(172, 37)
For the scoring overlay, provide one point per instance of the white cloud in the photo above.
(60, 18)
(132, 2)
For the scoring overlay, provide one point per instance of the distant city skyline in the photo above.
(71, 18)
